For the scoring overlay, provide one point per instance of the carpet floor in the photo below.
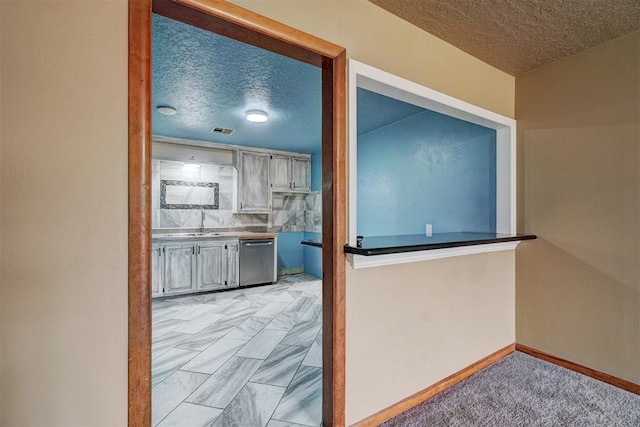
(520, 390)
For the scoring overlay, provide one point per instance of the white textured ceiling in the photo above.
(517, 36)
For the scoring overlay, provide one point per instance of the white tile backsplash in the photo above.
(290, 211)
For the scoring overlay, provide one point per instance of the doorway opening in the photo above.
(239, 24)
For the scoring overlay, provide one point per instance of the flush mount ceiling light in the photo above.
(166, 110)
(257, 116)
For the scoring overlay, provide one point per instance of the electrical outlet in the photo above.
(429, 230)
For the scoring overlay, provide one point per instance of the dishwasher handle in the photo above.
(258, 243)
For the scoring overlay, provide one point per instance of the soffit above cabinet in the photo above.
(517, 36)
(192, 153)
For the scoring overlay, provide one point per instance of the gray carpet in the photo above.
(520, 390)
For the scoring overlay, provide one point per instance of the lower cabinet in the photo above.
(186, 267)
(179, 266)
(211, 264)
(233, 264)
(156, 270)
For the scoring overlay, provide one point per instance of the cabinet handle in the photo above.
(289, 185)
(240, 205)
(294, 185)
(159, 251)
(198, 250)
(193, 250)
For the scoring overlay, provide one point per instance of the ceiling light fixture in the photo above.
(257, 116)
(166, 110)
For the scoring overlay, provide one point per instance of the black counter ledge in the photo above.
(382, 245)
(316, 243)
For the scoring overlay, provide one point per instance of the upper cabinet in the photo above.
(280, 167)
(290, 173)
(301, 173)
(254, 195)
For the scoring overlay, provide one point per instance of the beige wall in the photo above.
(63, 218)
(378, 38)
(411, 325)
(63, 213)
(578, 285)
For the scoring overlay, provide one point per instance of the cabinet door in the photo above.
(178, 268)
(254, 182)
(211, 262)
(301, 173)
(280, 167)
(232, 264)
(156, 270)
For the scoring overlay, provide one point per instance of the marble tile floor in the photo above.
(244, 358)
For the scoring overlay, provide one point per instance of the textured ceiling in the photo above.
(212, 81)
(517, 36)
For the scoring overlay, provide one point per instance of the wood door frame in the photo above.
(243, 25)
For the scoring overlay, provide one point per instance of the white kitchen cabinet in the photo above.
(290, 173)
(194, 266)
(253, 186)
(280, 170)
(233, 264)
(211, 261)
(157, 262)
(301, 173)
(179, 268)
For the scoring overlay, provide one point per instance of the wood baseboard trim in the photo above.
(421, 396)
(609, 379)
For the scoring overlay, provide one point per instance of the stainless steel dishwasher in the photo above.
(257, 261)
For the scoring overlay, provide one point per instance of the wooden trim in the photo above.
(609, 379)
(240, 17)
(139, 372)
(248, 27)
(243, 25)
(440, 386)
(334, 236)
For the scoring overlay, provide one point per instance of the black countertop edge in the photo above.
(314, 243)
(430, 246)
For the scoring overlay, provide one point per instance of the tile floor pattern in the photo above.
(248, 357)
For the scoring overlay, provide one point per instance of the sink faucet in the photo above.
(201, 220)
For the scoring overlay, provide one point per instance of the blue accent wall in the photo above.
(290, 251)
(427, 168)
(313, 256)
(316, 171)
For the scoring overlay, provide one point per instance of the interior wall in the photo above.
(578, 284)
(428, 168)
(376, 37)
(63, 168)
(411, 325)
(1, 213)
(290, 253)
